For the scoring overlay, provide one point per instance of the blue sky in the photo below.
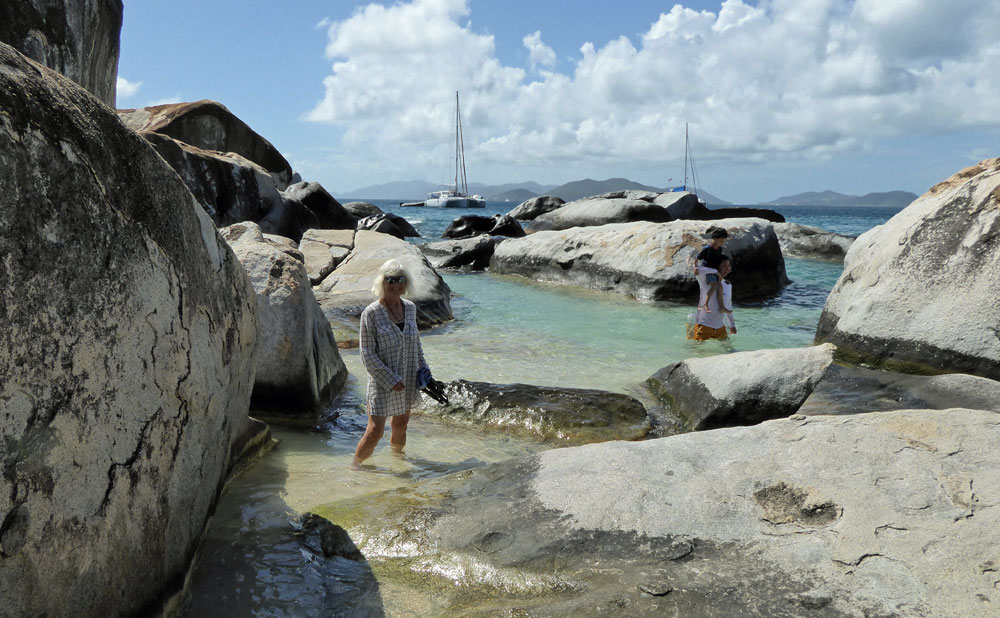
(782, 96)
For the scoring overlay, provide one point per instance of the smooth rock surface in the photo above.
(532, 208)
(126, 357)
(322, 250)
(473, 253)
(649, 261)
(209, 125)
(887, 514)
(78, 38)
(599, 210)
(362, 209)
(299, 369)
(347, 290)
(921, 292)
(559, 415)
(742, 388)
(684, 205)
(812, 243)
(329, 213)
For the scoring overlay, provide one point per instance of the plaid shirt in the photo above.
(391, 356)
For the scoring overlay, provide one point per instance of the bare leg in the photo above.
(397, 439)
(366, 446)
(722, 305)
(713, 288)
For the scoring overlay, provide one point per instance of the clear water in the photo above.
(506, 329)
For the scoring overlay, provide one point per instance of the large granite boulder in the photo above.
(812, 243)
(208, 125)
(886, 514)
(600, 210)
(363, 209)
(323, 250)
(921, 292)
(742, 388)
(387, 223)
(650, 261)
(472, 253)
(532, 208)
(78, 38)
(329, 213)
(299, 369)
(126, 357)
(559, 415)
(347, 290)
(684, 205)
(468, 226)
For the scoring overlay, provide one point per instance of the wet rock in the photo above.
(330, 215)
(812, 243)
(839, 516)
(943, 247)
(742, 388)
(600, 210)
(78, 38)
(126, 357)
(299, 369)
(332, 539)
(473, 253)
(208, 125)
(649, 261)
(561, 415)
(468, 226)
(532, 208)
(347, 290)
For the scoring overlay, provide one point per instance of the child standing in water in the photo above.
(707, 262)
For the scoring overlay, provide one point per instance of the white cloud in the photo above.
(786, 78)
(126, 88)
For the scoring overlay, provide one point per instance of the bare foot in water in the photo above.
(356, 464)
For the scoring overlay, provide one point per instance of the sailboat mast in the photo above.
(461, 145)
(685, 156)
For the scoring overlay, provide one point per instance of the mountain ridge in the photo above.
(828, 197)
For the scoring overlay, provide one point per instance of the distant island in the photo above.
(889, 199)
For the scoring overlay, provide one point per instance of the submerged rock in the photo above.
(299, 370)
(812, 243)
(742, 388)
(920, 293)
(532, 208)
(561, 415)
(649, 261)
(474, 253)
(126, 357)
(882, 514)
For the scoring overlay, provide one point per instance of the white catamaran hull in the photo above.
(455, 202)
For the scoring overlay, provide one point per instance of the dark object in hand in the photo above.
(435, 390)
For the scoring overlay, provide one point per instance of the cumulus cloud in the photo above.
(126, 88)
(785, 78)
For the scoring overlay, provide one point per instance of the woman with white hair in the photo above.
(391, 353)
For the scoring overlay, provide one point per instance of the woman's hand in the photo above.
(399, 387)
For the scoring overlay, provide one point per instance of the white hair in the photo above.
(391, 268)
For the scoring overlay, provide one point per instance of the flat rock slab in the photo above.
(650, 261)
(886, 514)
(741, 388)
(559, 415)
(812, 243)
(921, 292)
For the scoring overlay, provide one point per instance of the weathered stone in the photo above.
(126, 357)
(743, 388)
(347, 290)
(78, 38)
(683, 205)
(329, 213)
(299, 370)
(332, 540)
(561, 415)
(645, 260)
(208, 125)
(468, 226)
(362, 209)
(532, 208)
(808, 242)
(381, 224)
(474, 253)
(322, 250)
(600, 210)
(888, 514)
(944, 248)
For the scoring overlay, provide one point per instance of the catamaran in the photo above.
(694, 174)
(453, 197)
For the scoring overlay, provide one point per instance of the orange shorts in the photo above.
(700, 332)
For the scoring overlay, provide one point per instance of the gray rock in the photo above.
(347, 290)
(812, 243)
(323, 250)
(403, 225)
(208, 125)
(684, 205)
(78, 38)
(888, 514)
(126, 357)
(299, 370)
(329, 213)
(362, 209)
(920, 293)
(649, 261)
(742, 388)
(600, 210)
(381, 224)
(474, 253)
(532, 208)
(328, 538)
(560, 415)
(468, 226)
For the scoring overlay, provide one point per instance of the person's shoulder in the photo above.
(370, 309)
(408, 303)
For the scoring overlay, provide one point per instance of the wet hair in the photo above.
(390, 268)
(718, 232)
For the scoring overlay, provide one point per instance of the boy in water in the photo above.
(708, 261)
